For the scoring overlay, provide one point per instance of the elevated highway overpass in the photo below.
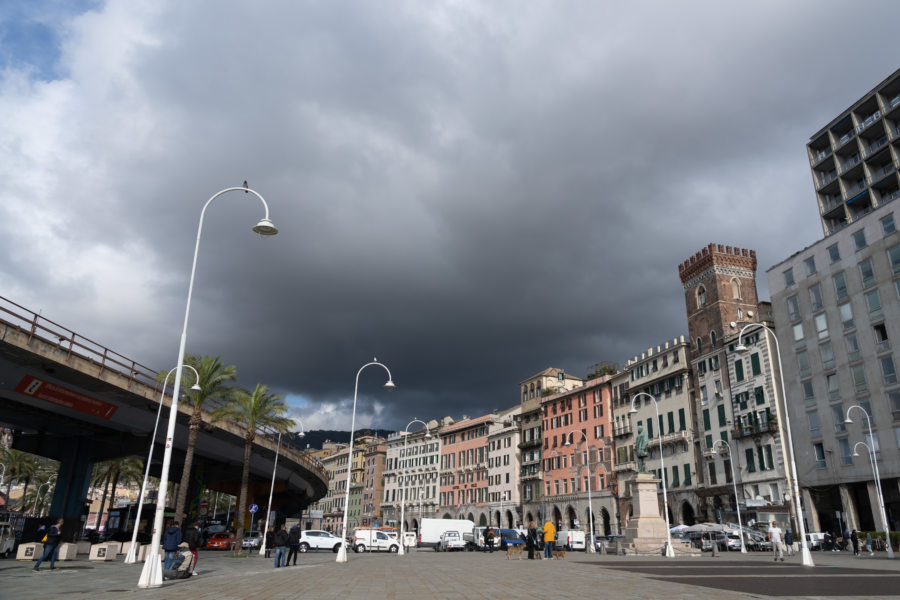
(75, 401)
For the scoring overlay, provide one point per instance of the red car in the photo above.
(220, 541)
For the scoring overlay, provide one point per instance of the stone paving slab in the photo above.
(464, 576)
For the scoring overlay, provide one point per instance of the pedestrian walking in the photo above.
(531, 540)
(170, 540)
(869, 544)
(293, 544)
(51, 546)
(489, 540)
(789, 542)
(777, 539)
(549, 538)
(854, 539)
(281, 542)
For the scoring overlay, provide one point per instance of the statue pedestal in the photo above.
(646, 530)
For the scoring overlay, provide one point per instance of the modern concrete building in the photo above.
(854, 158)
(838, 317)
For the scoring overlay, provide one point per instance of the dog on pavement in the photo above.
(559, 554)
(512, 549)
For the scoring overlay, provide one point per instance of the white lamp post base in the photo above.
(670, 552)
(131, 556)
(805, 556)
(341, 554)
(151, 575)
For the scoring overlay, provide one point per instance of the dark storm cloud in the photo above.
(471, 193)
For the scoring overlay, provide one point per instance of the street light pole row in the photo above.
(403, 487)
(871, 449)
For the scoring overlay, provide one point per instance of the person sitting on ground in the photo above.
(183, 565)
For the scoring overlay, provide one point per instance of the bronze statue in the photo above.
(640, 449)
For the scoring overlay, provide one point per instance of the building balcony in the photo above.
(754, 429)
(621, 430)
(626, 466)
(532, 444)
(677, 437)
(531, 476)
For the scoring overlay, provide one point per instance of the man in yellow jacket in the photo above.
(549, 538)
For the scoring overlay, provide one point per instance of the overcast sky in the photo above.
(469, 191)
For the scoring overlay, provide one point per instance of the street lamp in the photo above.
(403, 487)
(37, 496)
(848, 420)
(670, 552)
(131, 556)
(262, 545)
(591, 548)
(342, 552)
(737, 500)
(805, 556)
(151, 574)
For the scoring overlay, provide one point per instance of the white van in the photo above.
(570, 539)
(373, 540)
(431, 529)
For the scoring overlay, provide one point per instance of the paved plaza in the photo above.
(462, 576)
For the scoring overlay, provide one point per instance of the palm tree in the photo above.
(214, 377)
(252, 410)
(28, 471)
(127, 470)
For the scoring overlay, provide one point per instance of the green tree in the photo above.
(214, 379)
(251, 411)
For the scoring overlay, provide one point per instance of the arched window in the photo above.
(701, 297)
(712, 338)
(735, 288)
(740, 314)
(699, 345)
(532, 390)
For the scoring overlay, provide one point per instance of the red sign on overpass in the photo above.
(55, 394)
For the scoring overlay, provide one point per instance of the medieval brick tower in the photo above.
(719, 287)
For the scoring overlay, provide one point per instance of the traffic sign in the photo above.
(253, 508)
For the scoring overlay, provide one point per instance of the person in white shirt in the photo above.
(777, 538)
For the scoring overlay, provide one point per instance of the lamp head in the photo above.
(196, 388)
(301, 435)
(855, 453)
(568, 442)
(427, 434)
(390, 385)
(633, 410)
(740, 347)
(848, 420)
(265, 227)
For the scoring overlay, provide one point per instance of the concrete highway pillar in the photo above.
(72, 484)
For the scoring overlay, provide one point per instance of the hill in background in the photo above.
(315, 438)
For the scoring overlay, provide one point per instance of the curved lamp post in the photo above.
(591, 548)
(37, 496)
(871, 449)
(737, 500)
(805, 556)
(670, 552)
(262, 545)
(403, 487)
(151, 575)
(131, 556)
(342, 552)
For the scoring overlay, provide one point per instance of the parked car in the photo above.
(451, 540)
(733, 540)
(316, 539)
(815, 540)
(220, 541)
(570, 539)
(373, 540)
(609, 543)
(252, 539)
